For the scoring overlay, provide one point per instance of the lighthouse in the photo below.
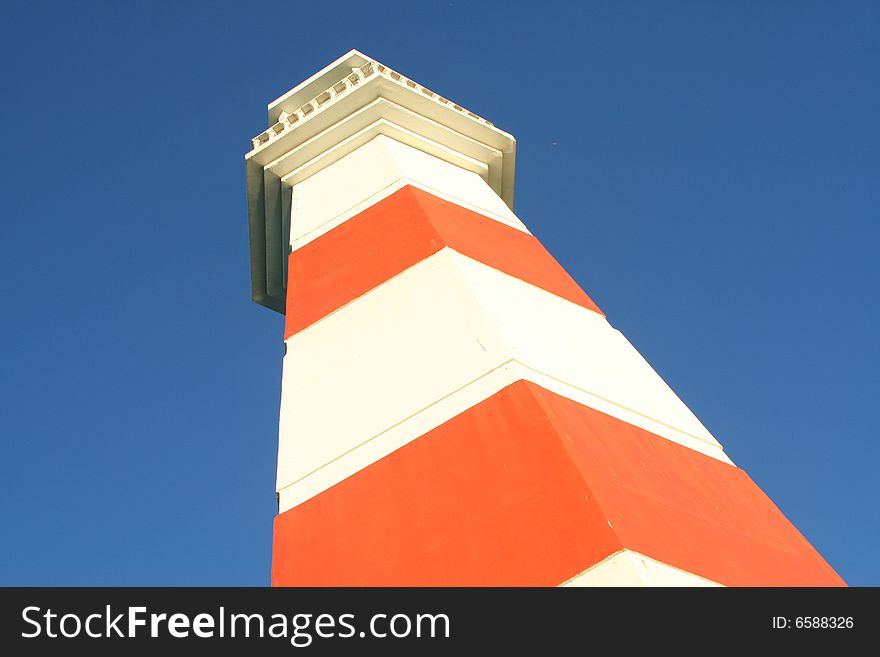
(455, 409)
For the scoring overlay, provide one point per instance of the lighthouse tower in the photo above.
(455, 409)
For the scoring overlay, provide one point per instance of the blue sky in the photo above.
(707, 171)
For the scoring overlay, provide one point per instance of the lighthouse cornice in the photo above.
(334, 112)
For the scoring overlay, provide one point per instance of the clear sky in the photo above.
(708, 171)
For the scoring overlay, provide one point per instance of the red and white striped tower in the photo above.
(455, 410)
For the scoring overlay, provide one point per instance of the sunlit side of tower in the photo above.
(455, 409)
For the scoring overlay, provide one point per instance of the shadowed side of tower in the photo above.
(455, 409)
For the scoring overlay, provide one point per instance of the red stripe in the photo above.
(530, 488)
(397, 233)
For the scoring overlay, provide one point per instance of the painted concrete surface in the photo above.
(372, 172)
(530, 488)
(397, 233)
(631, 569)
(361, 370)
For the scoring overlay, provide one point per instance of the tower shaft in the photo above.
(455, 409)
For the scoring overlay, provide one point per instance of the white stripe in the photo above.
(628, 568)
(376, 170)
(436, 340)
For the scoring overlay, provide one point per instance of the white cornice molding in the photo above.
(335, 111)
